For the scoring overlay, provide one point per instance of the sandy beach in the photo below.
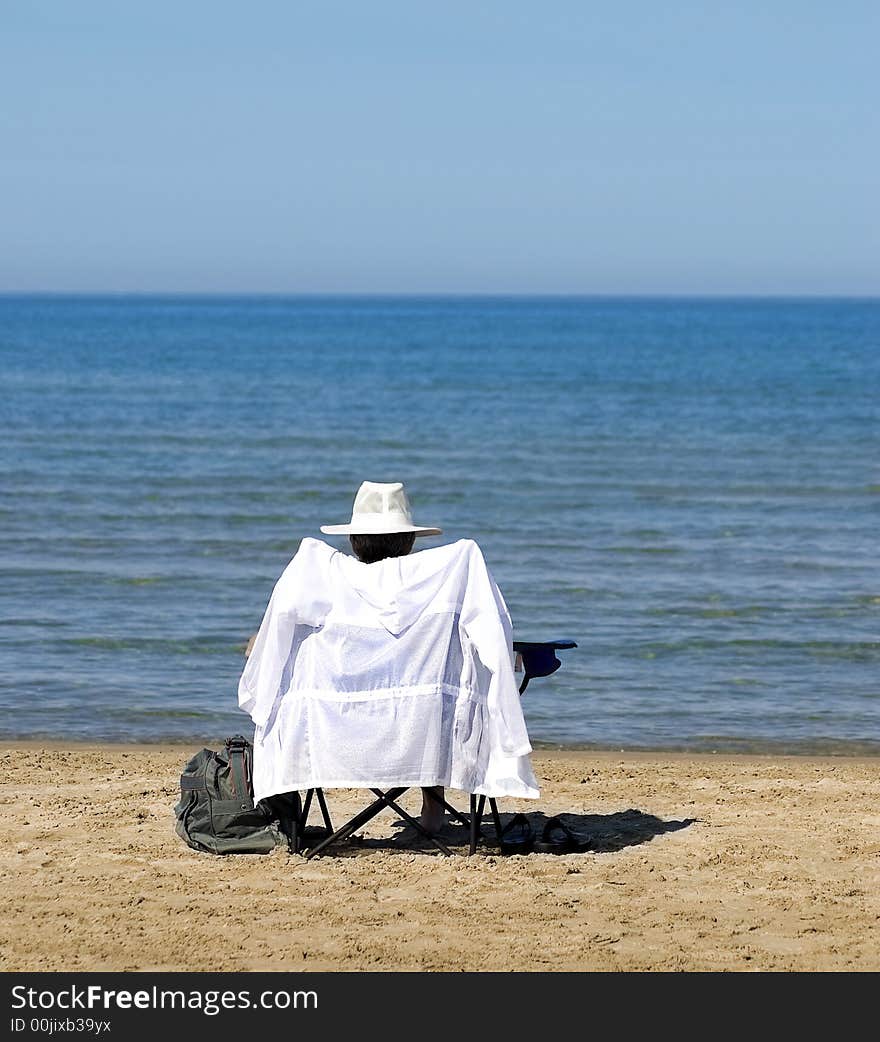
(699, 863)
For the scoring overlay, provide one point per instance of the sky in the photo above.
(569, 147)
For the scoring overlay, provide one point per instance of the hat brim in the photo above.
(360, 529)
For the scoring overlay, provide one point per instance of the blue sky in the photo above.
(569, 147)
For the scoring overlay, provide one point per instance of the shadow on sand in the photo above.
(596, 833)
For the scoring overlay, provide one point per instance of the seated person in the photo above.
(389, 668)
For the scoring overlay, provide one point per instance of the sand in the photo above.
(698, 863)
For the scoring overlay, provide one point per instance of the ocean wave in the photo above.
(161, 645)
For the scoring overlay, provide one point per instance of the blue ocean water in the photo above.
(690, 489)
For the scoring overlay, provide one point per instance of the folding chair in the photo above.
(538, 659)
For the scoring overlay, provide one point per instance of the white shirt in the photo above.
(386, 674)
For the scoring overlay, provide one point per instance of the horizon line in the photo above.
(438, 294)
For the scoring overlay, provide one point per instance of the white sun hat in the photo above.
(380, 509)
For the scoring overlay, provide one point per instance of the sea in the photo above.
(689, 489)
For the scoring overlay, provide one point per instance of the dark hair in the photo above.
(372, 548)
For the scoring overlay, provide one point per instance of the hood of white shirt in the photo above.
(399, 589)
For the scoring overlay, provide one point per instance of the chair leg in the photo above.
(295, 841)
(322, 803)
(307, 807)
(475, 825)
(355, 823)
(496, 818)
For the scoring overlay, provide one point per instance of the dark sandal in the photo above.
(517, 836)
(557, 838)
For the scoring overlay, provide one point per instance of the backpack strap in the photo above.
(237, 747)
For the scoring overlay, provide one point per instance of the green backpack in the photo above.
(216, 812)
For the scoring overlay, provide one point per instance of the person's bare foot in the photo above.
(433, 815)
